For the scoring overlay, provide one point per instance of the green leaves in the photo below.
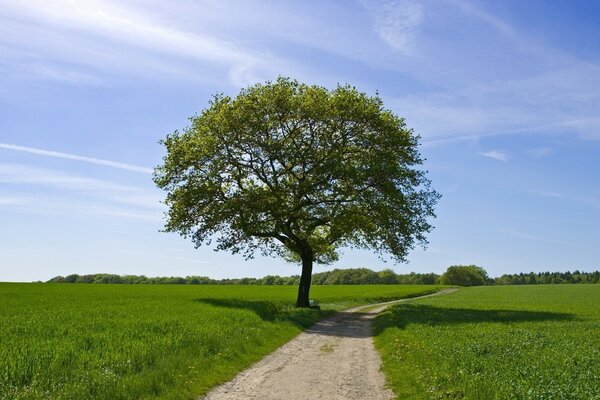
(465, 275)
(293, 169)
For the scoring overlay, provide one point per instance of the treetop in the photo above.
(297, 170)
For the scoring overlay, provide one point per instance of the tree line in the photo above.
(455, 275)
(353, 276)
(472, 275)
(543, 278)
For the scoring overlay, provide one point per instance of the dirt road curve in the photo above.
(335, 359)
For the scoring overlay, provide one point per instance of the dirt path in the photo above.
(335, 359)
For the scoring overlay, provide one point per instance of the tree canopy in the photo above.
(297, 171)
(465, 275)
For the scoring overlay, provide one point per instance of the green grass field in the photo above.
(150, 341)
(508, 342)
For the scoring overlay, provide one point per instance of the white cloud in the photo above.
(442, 116)
(507, 108)
(499, 155)
(546, 194)
(501, 81)
(55, 73)
(248, 73)
(527, 236)
(87, 190)
(107, 34)
(472, 10)
(115, 212)
(65, 205)
(467, 95)
(9, 201)
(75, 157)
(396, 21)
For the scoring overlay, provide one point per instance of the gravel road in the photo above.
(333, 360)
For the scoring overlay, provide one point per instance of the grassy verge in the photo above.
(147, 342)
(517, 342)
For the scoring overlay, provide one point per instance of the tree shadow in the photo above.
(406, 314)
(312, 321)
(272, 311)
(344, 324)
(358, 325)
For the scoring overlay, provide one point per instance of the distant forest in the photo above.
(533, 278)
(354, 276)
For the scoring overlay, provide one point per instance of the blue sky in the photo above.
(506, 97)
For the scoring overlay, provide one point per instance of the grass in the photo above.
(508, 342)
(150, 341)
(327, 348)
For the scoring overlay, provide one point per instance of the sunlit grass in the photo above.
(520, 342)
(148, 341)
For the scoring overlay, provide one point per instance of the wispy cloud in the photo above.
(75, 157)
(471, 9)
(499, 155)
(481, 112)
(546, 194)
(115, 212)
(60, 192)
(527, 236)
(396, 21)
(24, 174)
(109, 34)
(52, 205)
(9, 201)
(53, 72)
(522, 85)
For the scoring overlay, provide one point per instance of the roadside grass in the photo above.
(60, 341)
(507, 342)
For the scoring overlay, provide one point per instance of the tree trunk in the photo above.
(305, 278)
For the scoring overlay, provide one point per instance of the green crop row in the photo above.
(525, 342)
(146, 342)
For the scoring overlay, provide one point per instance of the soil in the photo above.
(335, 359)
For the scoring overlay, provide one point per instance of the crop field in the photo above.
(507, 342)
(151, 341)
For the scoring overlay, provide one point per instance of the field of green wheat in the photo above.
(507, 342)
(150, 341)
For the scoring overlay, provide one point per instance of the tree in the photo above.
(464, 275)
(387, 276)
(297, 171)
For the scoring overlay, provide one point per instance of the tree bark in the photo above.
(305, 278)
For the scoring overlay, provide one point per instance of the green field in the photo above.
(508, 342)
(150, 341)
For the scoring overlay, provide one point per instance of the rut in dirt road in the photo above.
(335, 359)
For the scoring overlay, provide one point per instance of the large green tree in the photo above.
(297, 171)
